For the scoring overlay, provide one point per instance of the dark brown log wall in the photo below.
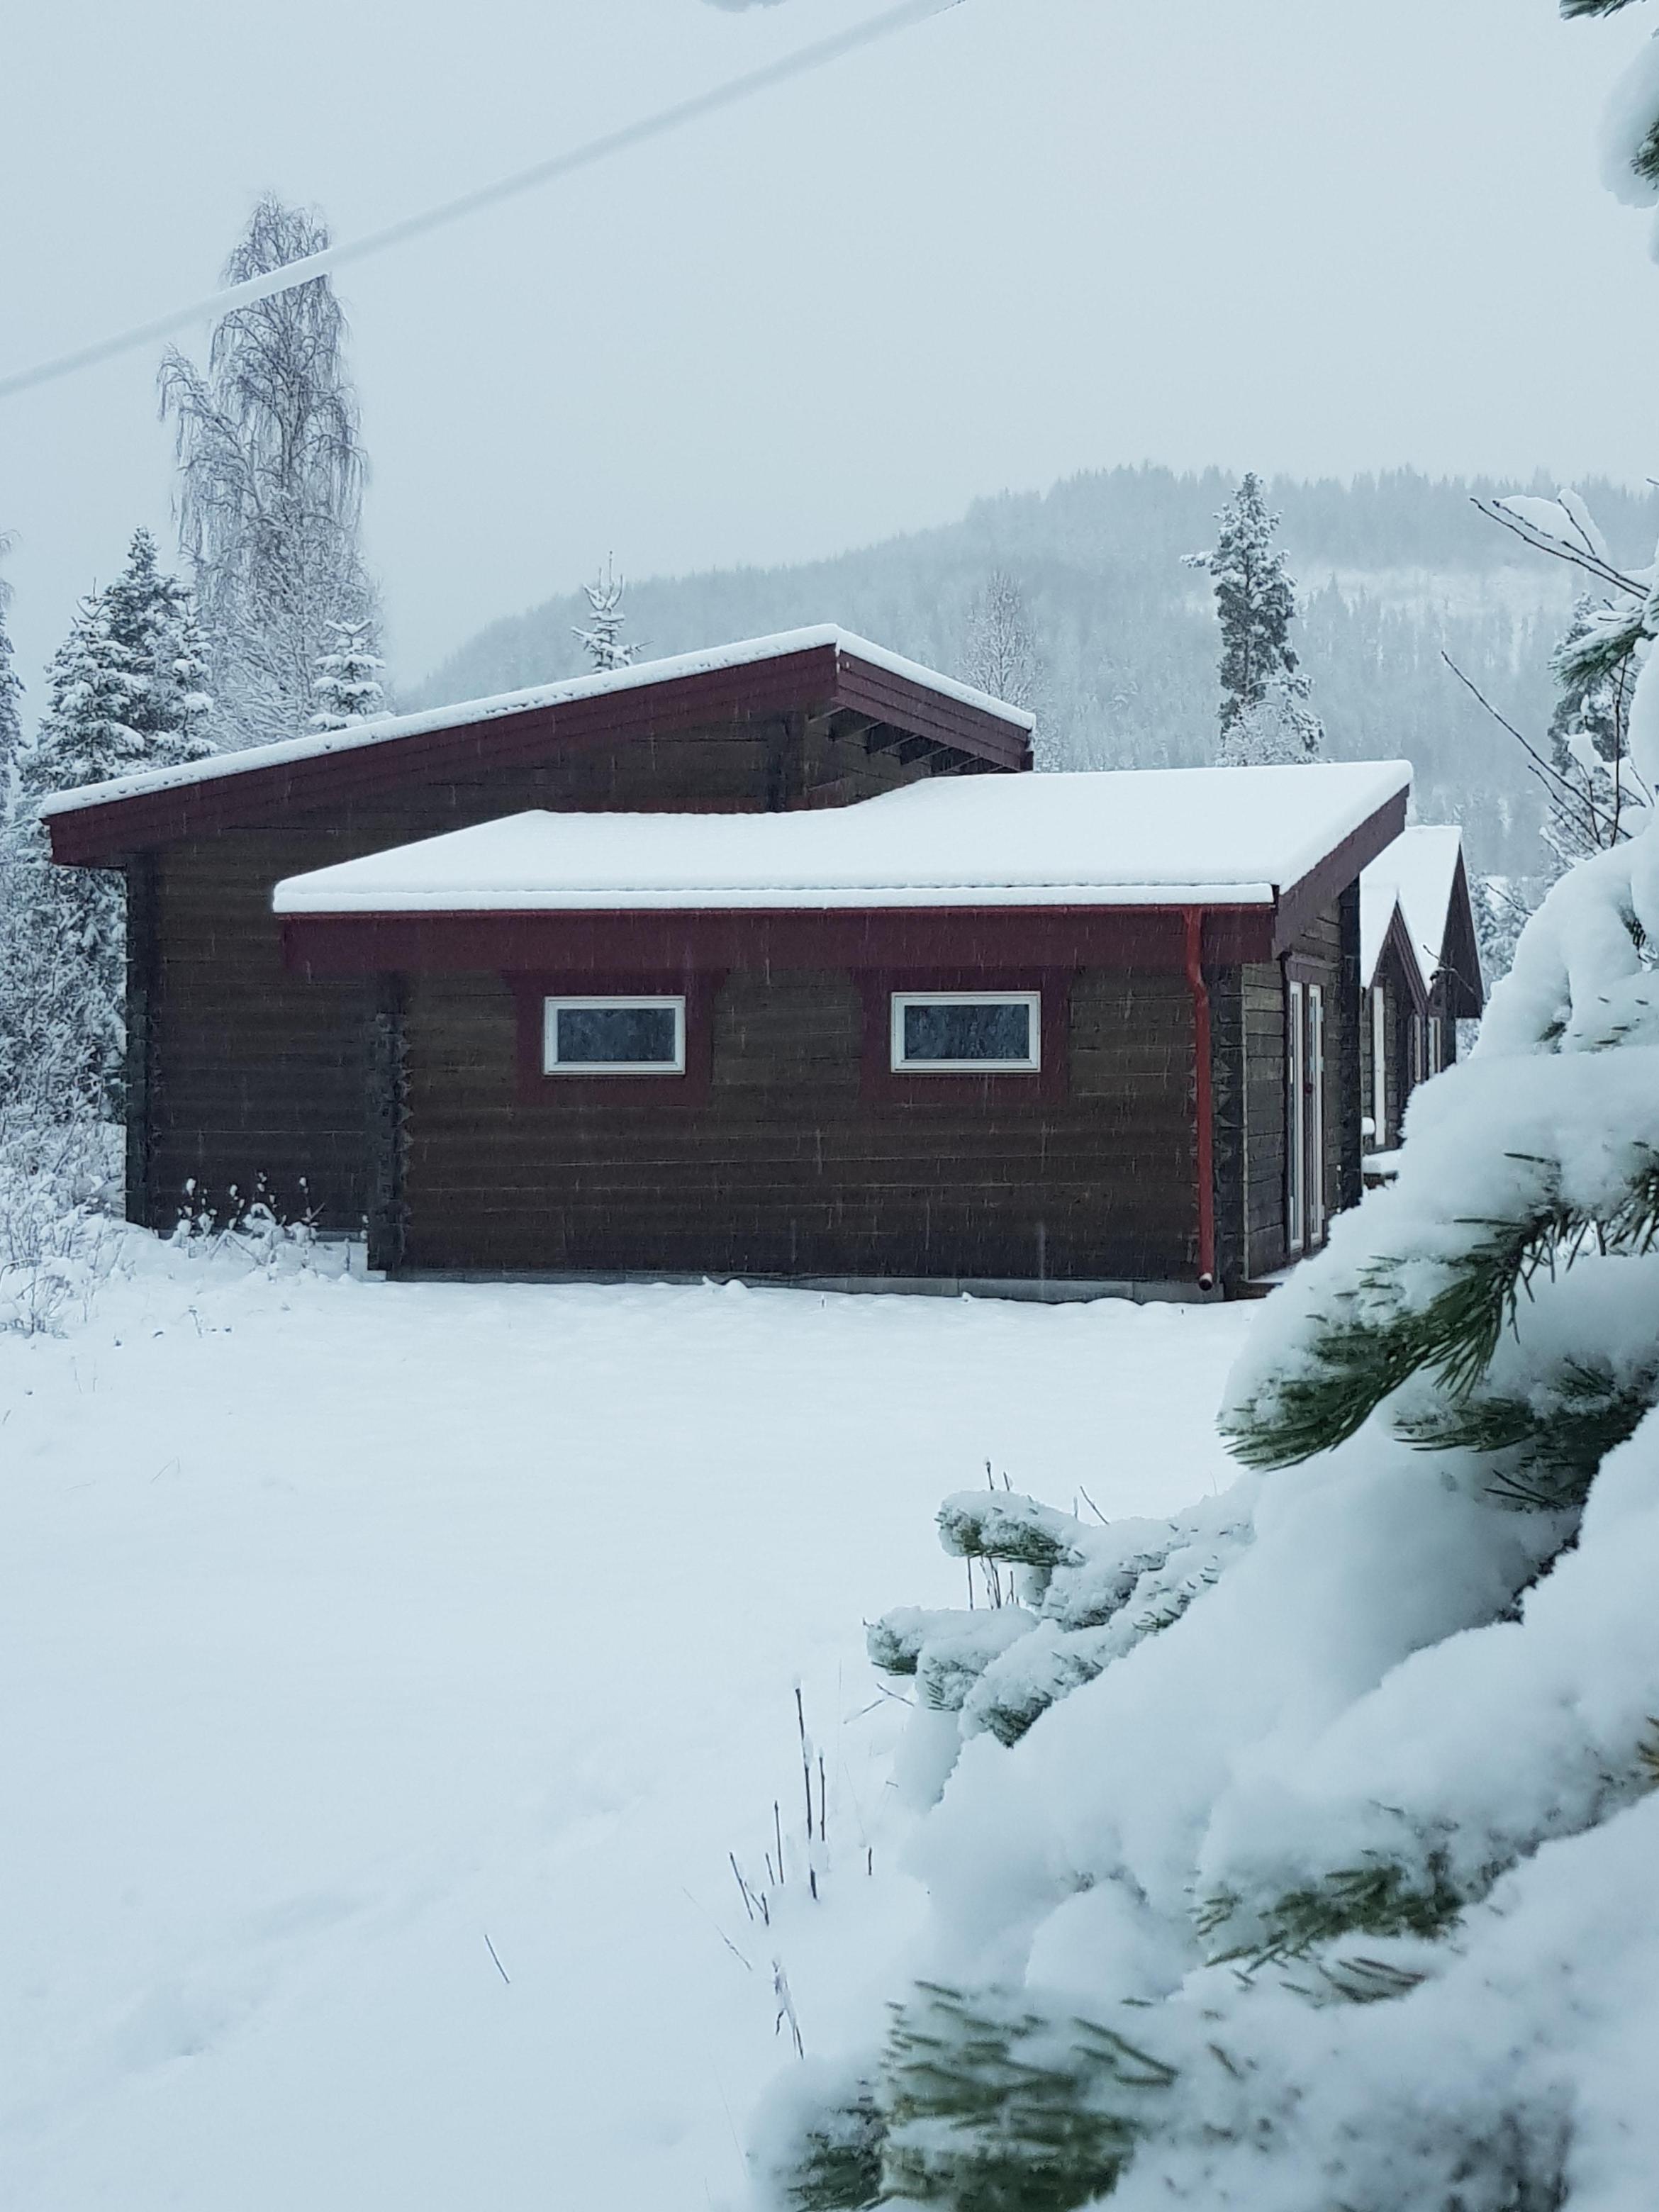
(1250, 1012)
(790, 1168)
(243, 1077)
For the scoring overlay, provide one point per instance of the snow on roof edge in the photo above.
(1124, 838)
(289, 898)
(1417, 874)
(384, 727)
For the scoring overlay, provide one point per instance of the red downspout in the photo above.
(1205, 1096)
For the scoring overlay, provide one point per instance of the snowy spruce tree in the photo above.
(347, 685)
(11, 694)
(151, 618)
(602, 637)
(271, 477)
(1264, 713)
(124, 692)
(1001, 653)
(1298, 1852)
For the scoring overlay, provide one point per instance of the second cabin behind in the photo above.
(1089, 1032)
(1420, 970)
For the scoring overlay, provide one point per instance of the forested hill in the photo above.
(1396, 570)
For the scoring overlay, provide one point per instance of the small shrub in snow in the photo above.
(59, 1180)
(251, 1230)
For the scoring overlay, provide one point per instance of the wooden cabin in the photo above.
(244, 1075)
(771, 963)
(1420, 972)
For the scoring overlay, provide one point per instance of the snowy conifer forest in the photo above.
(513, 1737)
(1395, 576)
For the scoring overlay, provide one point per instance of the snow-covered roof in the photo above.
(1417, 873)
(387, 727)
(1139, 838)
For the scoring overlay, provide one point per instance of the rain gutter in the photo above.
(1204, 1102)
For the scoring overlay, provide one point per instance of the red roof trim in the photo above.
(680, 939)
(818, 678)
(1300, 904)
(1396, 939)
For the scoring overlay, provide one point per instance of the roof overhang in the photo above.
(1459, 974)
(1397, 940)
(997, 924)
(662, 940)
(1301, 904)
(898, 706)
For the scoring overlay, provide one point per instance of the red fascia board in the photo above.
(691, 941)
(865, 688)
(818, 679)
(260, 793)
(1463, 988)
(1302, 903)
(1407, 963)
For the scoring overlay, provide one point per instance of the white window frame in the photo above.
(552, 1064)
(1032, 1000)
(1434, 1044)
(1380, 1068)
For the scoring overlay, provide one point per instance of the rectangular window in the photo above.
(1434, 1044)
(613, 1036)
(967, 1032)
(1380, 1068)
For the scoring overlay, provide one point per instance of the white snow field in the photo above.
(348, 1631)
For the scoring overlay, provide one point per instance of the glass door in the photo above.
(1305, 1130)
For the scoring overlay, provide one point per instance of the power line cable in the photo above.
(802, 63)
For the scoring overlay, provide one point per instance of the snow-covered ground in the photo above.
(349, 1633)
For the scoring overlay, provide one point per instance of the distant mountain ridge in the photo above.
(1397, 570)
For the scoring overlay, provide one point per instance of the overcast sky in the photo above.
(1027, 238)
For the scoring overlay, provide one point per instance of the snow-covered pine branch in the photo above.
(1336, 1886)
(1596, 799)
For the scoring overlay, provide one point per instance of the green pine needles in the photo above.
(838, 2167)
(1375, 1337)
(1380, 1898)
(1546, 1447)
(990, 2110)
(986, 2104)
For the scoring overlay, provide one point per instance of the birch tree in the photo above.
(271, 477)
(1001, 657)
